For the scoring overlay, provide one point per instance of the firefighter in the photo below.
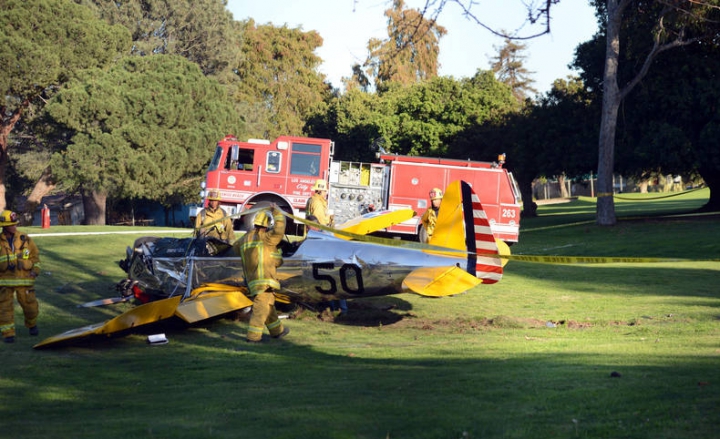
(317, 205)
(429, 218)
(260, 255)
(19, 265)
(219, 225)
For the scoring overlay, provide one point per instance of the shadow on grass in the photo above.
(214, 385)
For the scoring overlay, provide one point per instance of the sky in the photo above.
(347, 25)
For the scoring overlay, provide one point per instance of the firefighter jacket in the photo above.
(222, 229)
(260, 255)
(317, 205)
(19, 260)
(429, 219)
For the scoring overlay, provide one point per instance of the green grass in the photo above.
(531, 356)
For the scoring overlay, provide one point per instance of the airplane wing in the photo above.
(205, 302)
(374, 221)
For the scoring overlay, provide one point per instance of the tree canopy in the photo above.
(279, 85)
(145, 128)
(202, 31)
(509, 69)
(43, 44)
(428, 118)
(410, 54)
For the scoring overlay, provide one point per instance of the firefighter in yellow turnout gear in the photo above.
(222, 227)
(260, 255)
(19, 265)
(317, 204)
(429, 218)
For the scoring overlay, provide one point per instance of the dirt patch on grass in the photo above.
(397, 313)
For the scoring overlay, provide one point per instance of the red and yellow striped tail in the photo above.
(463, 225)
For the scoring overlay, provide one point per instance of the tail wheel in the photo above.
(422, 234)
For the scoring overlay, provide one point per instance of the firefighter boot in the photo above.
(34, 331)
(284, 332)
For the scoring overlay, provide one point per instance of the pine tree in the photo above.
(509, 69)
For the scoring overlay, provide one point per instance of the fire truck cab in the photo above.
(260, 172)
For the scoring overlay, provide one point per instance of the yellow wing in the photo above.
(206, 301)
(374, 221)
(440, 281)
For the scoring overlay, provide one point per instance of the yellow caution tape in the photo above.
(513, 257)
(594, 259)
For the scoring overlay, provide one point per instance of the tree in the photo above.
(43, 44)
(410, 54)
(509, 69)
(355, 123)
(141, 130)
(666, 120)
(645, 30)
(203, 31)
(279, 82)
(673, 24)
(549, 137)
(427, 118)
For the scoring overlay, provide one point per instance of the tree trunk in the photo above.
(608, 120)
(94, 204)
(43, 186)
(712, 180)
(529, 206)
(5, 129)
(3, 172)
(562, 182)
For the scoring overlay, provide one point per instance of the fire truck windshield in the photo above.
(305, 159)
(215, 162)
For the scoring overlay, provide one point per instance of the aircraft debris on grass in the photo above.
(197, 279)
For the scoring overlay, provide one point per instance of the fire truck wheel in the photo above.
(247, 220)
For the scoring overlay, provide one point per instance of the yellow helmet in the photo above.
(435, 194)
(262, 219)
(8, 218)
(213, 195)
(320, 185)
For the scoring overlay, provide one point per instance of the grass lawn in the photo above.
(552, 351)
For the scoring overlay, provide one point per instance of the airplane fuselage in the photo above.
(325, 267)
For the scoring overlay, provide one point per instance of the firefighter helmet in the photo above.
(213, 195)
(262, 219)
(435, 194)
(320, 185)
(8, 218)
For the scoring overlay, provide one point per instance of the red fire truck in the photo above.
(260, 172)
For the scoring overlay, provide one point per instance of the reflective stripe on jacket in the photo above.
(19, 257)
(260, 255)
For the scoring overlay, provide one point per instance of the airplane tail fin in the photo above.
(463, 225)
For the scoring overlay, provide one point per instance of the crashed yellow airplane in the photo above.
(196, 279)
